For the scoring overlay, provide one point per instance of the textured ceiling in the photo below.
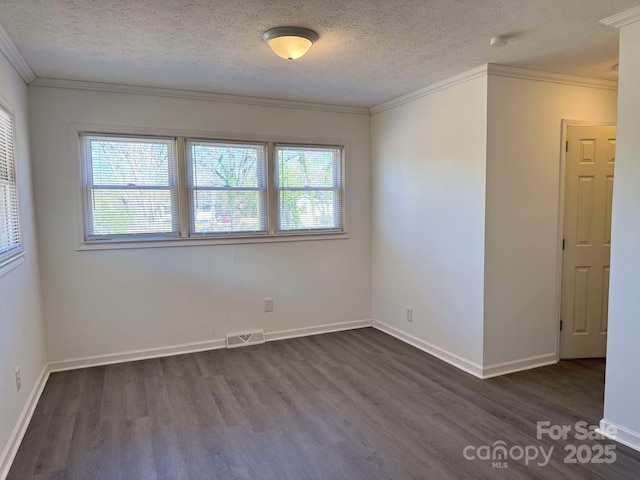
(369, 51)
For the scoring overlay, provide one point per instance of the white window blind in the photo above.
(227, 188)
(309, 188)
(10, 236)
(130, 187)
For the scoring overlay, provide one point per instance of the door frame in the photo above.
(565, 124)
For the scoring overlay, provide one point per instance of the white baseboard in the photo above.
(133, 355)
(620, 434)
(498, 369)
(306, 331)
(451, 358)
(10, 450)
(464, 364)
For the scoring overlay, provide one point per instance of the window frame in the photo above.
(278, 188)
(186, 238)
(17, 252)
(173, 176)
(192, 234)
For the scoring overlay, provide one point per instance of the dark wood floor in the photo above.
(348, 405)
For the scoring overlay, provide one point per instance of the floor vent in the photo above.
(243, 339)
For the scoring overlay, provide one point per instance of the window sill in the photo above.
(11, 263)
(193, 242)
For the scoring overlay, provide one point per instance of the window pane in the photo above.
(122, 212)
(306, 210)
(308, 167)
(10, 236)
(227, 182)
(9, 221)
(309, 183)
(226, 165)
(217, 211)
(130, 186)
(5, 219)
(129, 162)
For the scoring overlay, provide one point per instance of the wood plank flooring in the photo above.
(349, 405)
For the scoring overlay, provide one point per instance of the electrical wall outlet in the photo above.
(18, 380)
(409, 313)
(268, 305)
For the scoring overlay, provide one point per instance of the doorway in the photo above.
(588, 193)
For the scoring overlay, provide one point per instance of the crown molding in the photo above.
(15, 57)
(194, 95)
(501, 71)
(564, 79)
(621, 19)
(428, 90)
(484, 70)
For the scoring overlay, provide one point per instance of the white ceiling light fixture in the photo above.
(499, 41)
(290, 42)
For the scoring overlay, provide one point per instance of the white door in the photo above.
(587, 241)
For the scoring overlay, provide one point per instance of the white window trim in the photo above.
(92, 237)
(188, 190)
(15, 260)
(277, 189)
(82, 244)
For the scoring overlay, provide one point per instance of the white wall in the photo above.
(428, 217)
(622, 388)
(466, 185)
(104, 302)
(21, 329)
(523, 171)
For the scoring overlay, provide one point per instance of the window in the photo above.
(175, 188)
(309, 186)
(10, 236)
(227, 187)
(130, 187)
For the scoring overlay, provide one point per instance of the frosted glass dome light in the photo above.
(290, 42)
